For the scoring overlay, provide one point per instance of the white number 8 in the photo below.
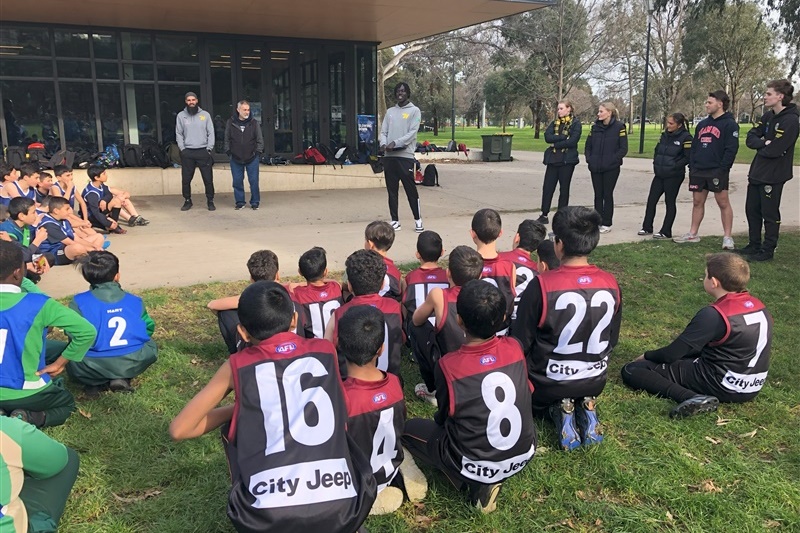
(501, 410)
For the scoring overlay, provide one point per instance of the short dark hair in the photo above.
(429, 246)
(365, 272)
(265, 309)
(784, 87)
(723, 97)
(312, 264)
(531, 233)
(19, 206)
(731, 270)
(547, 254)
(57, 202)
(94, 171)
(98, 267)
(44, 174)
(578, 229)
(61, 169)
(482, 308)
(381, 234)
(465, 264)
(361, 333)
(10, 258)
(263, 265)
(405, 86)
(487, 225)
(5, 170)
(28, 169)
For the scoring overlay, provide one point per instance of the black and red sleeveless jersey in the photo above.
(288, 445)
(526, 271)
(316, 305)
(449, 335)
(391, 282)
(489, 431)
(394, 337)
(573, 337)
(376, 414)
(420, 282)
(500, 272)
(738, 363)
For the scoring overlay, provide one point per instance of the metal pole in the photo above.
(644, 96)
(453, 100)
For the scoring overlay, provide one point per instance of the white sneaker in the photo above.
(422, 392)
(605, 229)
(727, 243)
(686, 237)
(418, 226)
(388, 501)
(413, 478)
(396, 225)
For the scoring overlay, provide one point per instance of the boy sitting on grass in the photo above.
(318, 298)
(62, 241)
(530, 234)
(20, 228)
(486, 228)
(379, 236)
(722, 355)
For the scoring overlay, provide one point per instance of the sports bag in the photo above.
(132, 155)
(313, 156)
(430, 178)
(451, 146)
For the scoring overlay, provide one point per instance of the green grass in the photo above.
(523, 140)
(737, 468)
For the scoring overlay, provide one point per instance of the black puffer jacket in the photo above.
(564, 149)
(773, 161)
(606, 145)
(672, 154)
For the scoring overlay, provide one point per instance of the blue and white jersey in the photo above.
(91, 189)
(120, 328)
(66, 227)
(30, 193)
(15, 324)
(71, 198)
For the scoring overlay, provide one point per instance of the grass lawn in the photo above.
(523, 140)
(738, 468)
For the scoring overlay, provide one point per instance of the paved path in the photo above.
(179, 249)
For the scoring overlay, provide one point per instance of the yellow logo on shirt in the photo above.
(406, 115)
(202, 117)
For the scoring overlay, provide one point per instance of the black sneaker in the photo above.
(750, 249)
(36, 418)
(254, 207)
(120, 385)
(695, 405)
(763, 255)
(484, 497)
(141, 221)
(93, 391)
(187, 204)
(211, 206)
(238, 207)
(543, 219)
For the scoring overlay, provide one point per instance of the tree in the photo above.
(501, 98)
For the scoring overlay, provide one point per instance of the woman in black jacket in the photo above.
(669, 166)
(560, 157)
(606, 145)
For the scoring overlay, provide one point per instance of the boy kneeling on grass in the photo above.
(294, 468)
(722, 355)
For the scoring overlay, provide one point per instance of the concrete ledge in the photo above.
(472, 155)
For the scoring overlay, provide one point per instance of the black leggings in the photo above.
(669, 187)
(763, 203)
(604, 183)
(556, 174)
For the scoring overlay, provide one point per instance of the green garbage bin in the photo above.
(497, 147)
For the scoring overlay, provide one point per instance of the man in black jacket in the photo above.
(714, 148)
(773, 139)
(244, 144)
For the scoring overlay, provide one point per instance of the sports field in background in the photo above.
(737, 469)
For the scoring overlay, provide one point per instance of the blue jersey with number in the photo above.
(120, 328)
(15, 324)
(66, 227)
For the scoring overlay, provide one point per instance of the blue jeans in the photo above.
(237, 170)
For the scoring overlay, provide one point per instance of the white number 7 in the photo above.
(760, 319)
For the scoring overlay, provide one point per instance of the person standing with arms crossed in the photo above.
(244, 144)
(194, 132)
(560, 157)
(606, 145)
(398, 140)
(714, 148)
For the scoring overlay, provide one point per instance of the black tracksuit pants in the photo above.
(763, 203)
(396, 170)
(603, 184)
(669, 187)
(192, 158)
(560, 175)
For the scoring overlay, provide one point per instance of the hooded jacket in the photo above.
(715, 143)
(243, 139)
(672, 154)
(773, 161)
(606, 145)
(564, 149)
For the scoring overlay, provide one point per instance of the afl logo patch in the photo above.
(748, 304)
(323, 294)
(431, 276)
(487, 270)
(286, 347)
(488, 360)
(584, 280)
(379, 398)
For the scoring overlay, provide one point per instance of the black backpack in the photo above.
(329, 155)
(430, 178)
(153, 154)
(451, 146)
(38, 156)
(132, 155)
(15, 155)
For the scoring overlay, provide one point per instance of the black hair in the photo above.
(19, 206)
(265, 309)
(312, 264)
(44, 174)
(429, 246)
(28, 169)
(94, 171)
(578, 229)
(531, 233)
(56, 202)
(482, 308)
(10, 258)
(263, 265)
(61, 169)
(98, 267)
(465, 264)
(784, 87)
(486, 224)
(680, 119)
(5, 170)
(547, 255)
(44, 203)
(723, 97)
(365, 272)
(361, 333)
(381, 234)
(405, 86)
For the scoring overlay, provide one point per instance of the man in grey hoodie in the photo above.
(194, 131)
(398, 140)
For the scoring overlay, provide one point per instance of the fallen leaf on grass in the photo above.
(722, 421)
(419, 506)
(706, 486)
(668, 275)
(423, 521)
(751, 434)
(670, 518)
(195, 383)
(580, 494)
(690, 456)
(568, 522)
(194, 361)
(712, 440)
(137, 498)
(85, 414)
(770, 523)
(598, 522)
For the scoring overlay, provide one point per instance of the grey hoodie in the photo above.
(400, 125)
(194, 131)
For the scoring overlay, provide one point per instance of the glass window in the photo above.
(26, 68)
(30, 113)
(136, 46)
(77, 105)
(105, 46)
(110, 105)
(71, 44)
(74, 69)
(178, 73)
(250, 72)
(282, 101)
(24, 41)
(337, 84)
(141, 103)
(176, 48)
(171, 102)
(137, 71)
(309, 95)
(106, 71)
(219, 53)
(365, 82)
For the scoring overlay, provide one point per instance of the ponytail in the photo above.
(680, 119)
(612, 108)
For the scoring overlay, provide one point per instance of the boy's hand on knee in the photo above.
(54, 368)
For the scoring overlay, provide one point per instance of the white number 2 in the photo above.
(384, 442)
(3, 340)
(118, 324)
(594, 345)
(501, 410)
(759, 319)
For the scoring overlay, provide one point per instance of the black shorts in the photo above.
(61, 257)
(710, 180)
